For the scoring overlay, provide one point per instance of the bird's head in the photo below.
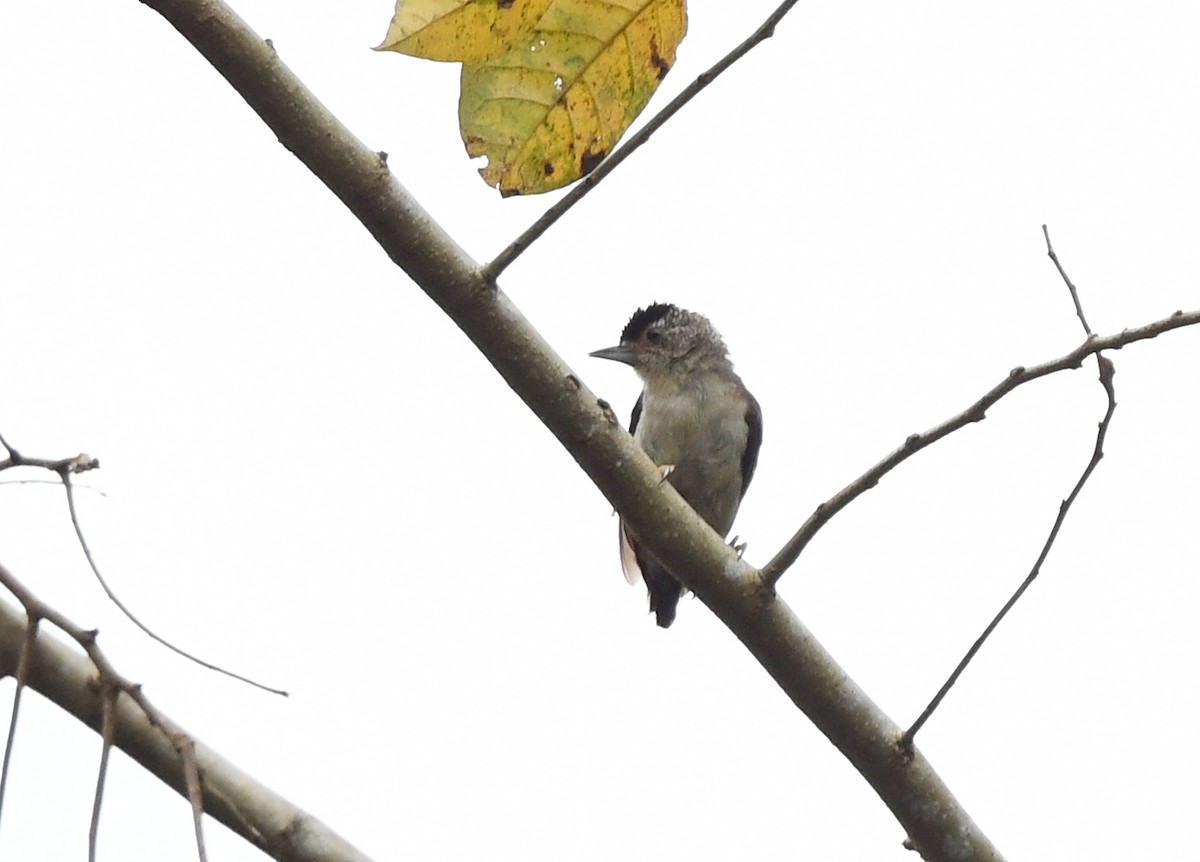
(663, 339)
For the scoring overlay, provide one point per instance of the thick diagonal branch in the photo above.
(936, 825)
(69, 679)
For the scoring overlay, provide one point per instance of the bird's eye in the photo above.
(653, 336)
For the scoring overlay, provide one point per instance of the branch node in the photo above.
(609, 414)
(81, 463)
(1107, 371)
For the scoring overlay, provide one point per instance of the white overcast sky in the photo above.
(311, 476)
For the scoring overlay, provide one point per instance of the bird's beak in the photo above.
(621, 353)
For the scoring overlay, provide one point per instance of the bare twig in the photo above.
(53, 482)
(152, 739)
(65, 468)
(107, 734)
(1107, 371)
(1070, 285)
(1106, 379)
(502, 261)
(187, 750)
(81, 463)
(790, 552)
(22, 681)
(87, 553)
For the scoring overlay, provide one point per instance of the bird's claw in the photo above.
(739, 547)
(665, 470)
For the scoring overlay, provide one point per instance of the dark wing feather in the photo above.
(637, 414)
(753, 440)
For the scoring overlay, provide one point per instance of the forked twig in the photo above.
(1107, 371)
(790, 552)
(1106, 379)
(65, 468)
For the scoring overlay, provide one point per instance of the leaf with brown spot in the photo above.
(547, 110)
(548, 86)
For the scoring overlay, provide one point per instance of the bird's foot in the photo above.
(665, 470)
(740, 548)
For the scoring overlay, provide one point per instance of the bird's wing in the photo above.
(753, 442)
(637, 413)
(629, 563)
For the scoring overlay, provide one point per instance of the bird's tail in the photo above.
(664, 596)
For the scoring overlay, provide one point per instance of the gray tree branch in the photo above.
(70, 679)
(935, 823)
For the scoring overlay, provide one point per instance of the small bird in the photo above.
(696, 420)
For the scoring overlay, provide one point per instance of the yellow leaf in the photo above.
(468, 31)
(549, 108)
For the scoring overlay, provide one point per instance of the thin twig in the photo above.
(790, 552)
(191, 771)
(1106, 379)
(22, 680)
(65, 468)
(502, 261)
(53, 482)
(1070, 285)
(108, 730)
(1107, 371)
(81, 463)
(87, 553)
